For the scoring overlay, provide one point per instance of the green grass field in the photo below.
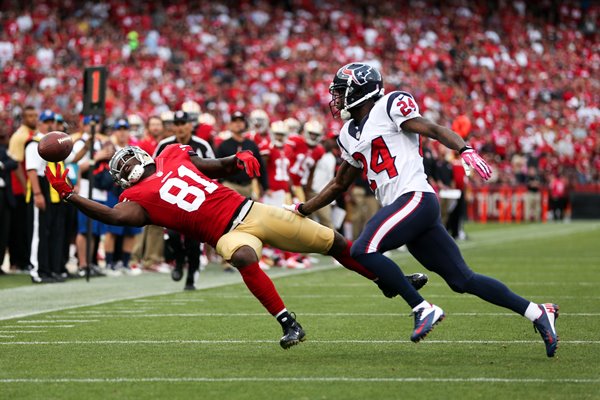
(219, 343)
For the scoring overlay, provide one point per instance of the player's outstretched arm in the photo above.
(128, 213)
(226, 166)
(426, 127)
(450, 139)
(344, 177)
(125, 214)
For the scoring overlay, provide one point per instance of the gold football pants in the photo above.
(276, 227)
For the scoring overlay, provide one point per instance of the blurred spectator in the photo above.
(7, 200)
(101, 181)
(149, 248)
(240, 182)
(319, 169)
(533, 211)
(121, 238)
(155, 132)
(458, 213)
(17, 243)
(364, 205)
(46, 212)
(559, 197)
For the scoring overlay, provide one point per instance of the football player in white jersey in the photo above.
(381, 139)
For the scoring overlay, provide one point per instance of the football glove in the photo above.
(59, 182)
(295, 208)
(247, 162)
(471, 159)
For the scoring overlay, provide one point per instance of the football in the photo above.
(55, 146)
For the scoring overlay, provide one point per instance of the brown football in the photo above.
(55, 146)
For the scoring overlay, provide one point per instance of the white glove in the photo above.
(295, 208)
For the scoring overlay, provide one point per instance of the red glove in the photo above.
(247, 162)
(473, 160)
(59, 182)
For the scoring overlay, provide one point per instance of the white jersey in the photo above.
(390, 156)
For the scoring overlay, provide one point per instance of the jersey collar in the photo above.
(354, 130)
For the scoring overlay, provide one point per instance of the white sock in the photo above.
(423, 304)
(533, 312)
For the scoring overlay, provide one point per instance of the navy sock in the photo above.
(496, 292)
(109, 259)
(125, 258)
(391, 275)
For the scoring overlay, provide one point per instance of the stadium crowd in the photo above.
(520, 80)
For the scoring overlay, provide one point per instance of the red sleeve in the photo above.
(318, 152)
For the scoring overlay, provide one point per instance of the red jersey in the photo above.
(296, 151)
(277, 168)
(314, 154)
(179, 197)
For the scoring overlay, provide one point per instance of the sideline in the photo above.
(26, 301)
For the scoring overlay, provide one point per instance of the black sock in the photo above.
(285, 319)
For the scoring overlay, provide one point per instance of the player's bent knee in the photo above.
(243, 256)
(358, 249)
(339, 245)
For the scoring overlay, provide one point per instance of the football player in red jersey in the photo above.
(176, 191)
(259, 128)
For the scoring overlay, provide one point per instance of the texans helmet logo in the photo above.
(359, 73)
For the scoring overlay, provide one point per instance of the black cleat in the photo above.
(177, 273)
(189, 286)
(292, 335)
(417, 280)
(42, 279)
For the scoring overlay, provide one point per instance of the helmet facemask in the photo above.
(354, 84)
(125, 157)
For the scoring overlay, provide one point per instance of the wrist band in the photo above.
(465, 149)
(300, 209)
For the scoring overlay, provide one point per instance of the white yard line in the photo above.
(54, 321)
(320, 342)
(36, 326)
(332, 379)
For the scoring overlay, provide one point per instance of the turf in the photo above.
(14, 280)
(219, 343)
